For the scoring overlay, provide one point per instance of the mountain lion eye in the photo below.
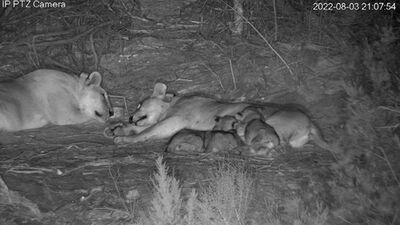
(98, 114)
(139, 105)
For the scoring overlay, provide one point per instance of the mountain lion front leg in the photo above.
(163, 129)
(129, 130)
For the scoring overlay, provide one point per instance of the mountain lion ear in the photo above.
(92, 79)
(159, 90)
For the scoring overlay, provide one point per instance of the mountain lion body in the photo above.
(51, 97)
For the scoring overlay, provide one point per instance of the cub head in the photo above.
(152, 109)
(93, 99)
(248, 114)
(225, 123)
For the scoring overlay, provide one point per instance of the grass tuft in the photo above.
(227, 197)
(167, 202)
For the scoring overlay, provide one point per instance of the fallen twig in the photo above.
(233, 75)
(385, 158)
(389, 109)
(29, 170)
(216, 75)
(275, 21)
(93, 48)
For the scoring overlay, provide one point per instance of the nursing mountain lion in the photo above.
(162, 115)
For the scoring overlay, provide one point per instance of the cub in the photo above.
(292, 126)
(256, 134)
(188, 141)
(221, 138)
(260, 137)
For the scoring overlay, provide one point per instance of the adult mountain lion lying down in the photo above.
(51, 97)
(162, 115)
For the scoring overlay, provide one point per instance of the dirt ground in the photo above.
(74, 175)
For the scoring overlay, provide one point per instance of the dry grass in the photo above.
(295, 213)
(167, 201)
(224, 201)
(367, 173)
(227, 197)
(67, 38)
